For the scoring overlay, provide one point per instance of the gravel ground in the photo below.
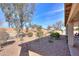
(41, 47)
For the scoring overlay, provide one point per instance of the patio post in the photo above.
(70, 35)
(66, 30)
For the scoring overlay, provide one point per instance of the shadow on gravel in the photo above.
(42, 47)
(7, 43)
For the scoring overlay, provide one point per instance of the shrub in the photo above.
(30, 34)
(21, 34)
(55, 34)
(39, 34)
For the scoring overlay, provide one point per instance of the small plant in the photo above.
(21, 34)
(21, 39)
(39, 34)
(30, 34)
(55, 35)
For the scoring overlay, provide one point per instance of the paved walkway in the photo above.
(10, 50)
(75, 49)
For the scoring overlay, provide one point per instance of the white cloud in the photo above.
(55, 11)
(51, 12)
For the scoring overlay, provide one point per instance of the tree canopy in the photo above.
(18, 15)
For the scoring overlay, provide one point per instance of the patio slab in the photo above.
(74, 51)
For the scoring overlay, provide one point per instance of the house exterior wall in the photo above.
(70, 35)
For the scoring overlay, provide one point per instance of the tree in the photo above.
(39, 27)
(18, 15)
(36, 26)
(58, 25)
(49, 27)
(8, 10)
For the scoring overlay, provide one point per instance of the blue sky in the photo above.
(2, 19)
(48, 14)
(45, 14)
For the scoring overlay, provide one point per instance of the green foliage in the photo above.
(55, 34)
(77, 29)
(30, 34)
(18, 15)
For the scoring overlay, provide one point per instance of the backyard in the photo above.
(33, 30)
(32, 46)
